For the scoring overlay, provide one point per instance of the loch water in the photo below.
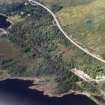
(16, 92)
(4, 23)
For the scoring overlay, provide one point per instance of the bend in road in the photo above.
(33, 2)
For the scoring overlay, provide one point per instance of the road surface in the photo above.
(33, 2)
(82, 75)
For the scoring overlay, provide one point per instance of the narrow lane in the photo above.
(33, 2)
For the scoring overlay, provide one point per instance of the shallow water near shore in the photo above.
(16, 92)
(4, 23)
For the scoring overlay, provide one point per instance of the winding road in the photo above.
(33, 2)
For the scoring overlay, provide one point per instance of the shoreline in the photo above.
(40, 88)
(7, 19)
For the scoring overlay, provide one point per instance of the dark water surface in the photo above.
(3, 22)
(16, 92)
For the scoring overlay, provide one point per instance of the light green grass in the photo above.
(86, 23)
(66, 2)
(16, 19)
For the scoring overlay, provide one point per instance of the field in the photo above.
(85, 24)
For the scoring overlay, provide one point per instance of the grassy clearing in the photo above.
(17, 18)
(86, 24)
(66, 2)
